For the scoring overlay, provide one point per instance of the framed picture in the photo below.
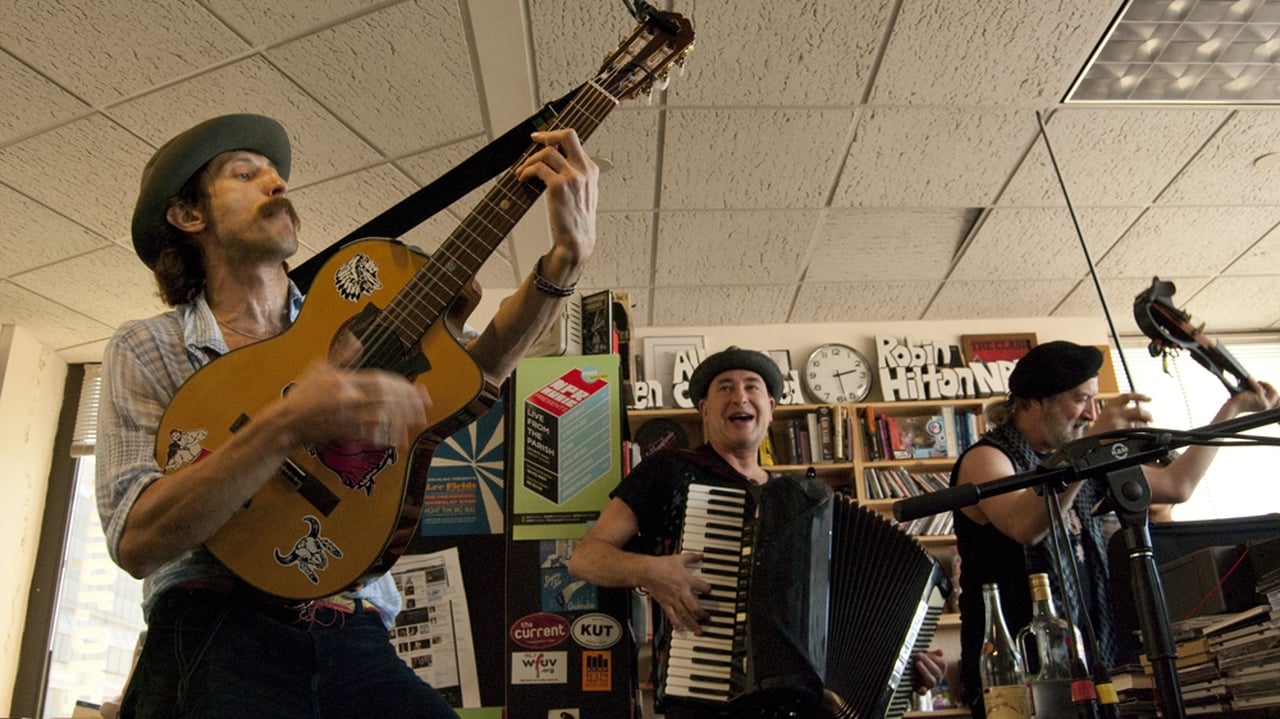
(993, 348)
(660, 361)
(782, 358)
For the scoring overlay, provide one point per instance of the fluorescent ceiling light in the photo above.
(1186, 51)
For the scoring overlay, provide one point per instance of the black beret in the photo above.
(735, 358)
(1053, 367)
(181, 157)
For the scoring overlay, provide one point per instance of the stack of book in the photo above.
(818, 436)
(1225, 662)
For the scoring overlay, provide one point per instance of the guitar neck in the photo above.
(428, 296)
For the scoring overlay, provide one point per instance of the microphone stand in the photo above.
(1128, 492)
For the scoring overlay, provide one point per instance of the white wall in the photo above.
(32, 380)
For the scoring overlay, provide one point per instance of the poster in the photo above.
(567, 435)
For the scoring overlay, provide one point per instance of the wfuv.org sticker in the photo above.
(540, 668)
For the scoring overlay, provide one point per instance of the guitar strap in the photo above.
(408, 213)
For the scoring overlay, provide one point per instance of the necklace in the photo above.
(241, 332)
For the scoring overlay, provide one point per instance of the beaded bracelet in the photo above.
(547, 287)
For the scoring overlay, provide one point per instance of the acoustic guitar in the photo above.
(337, 513)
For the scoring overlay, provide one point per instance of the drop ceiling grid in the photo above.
(1040, 242)
(931, 156)
(622, 252)
(103, 52)
(711, 247)
(96, 183)
(58, 327)
(997, 297)
(722, 305)
(400, 76)
(33, 236)
(1183, 241)
(1238, 303)
(1001, 54)
(1223, 172)
(780, 54)
(863, 301)
(1131, 153)
(322, 145)
(717, 159)
(108, 285)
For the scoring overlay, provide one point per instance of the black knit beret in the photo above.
(181, 157)
(735, 358)
(1053, 367)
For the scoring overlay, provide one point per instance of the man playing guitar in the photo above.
(215, 224)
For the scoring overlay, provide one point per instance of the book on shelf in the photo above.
(826, 434)
(597, 324)
(813, 433)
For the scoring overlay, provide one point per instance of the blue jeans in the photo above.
(212, 655)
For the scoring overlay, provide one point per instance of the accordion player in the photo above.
(797, 622)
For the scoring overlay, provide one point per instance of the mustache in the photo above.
(279, 204)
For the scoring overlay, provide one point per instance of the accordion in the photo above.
(817, 604)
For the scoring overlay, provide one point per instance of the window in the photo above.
(1242, 480)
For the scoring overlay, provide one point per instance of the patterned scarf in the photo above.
(1088, 548)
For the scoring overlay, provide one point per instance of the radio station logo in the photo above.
(541, 630)
(597, 671)
(597, 631)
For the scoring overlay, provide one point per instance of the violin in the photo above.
(1170, 331)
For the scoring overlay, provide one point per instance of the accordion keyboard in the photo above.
(701, 666)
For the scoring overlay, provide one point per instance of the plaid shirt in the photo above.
(144, 364)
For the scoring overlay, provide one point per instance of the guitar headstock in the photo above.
(1170, 330)
(643, 61)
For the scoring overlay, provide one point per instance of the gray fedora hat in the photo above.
(183, 156)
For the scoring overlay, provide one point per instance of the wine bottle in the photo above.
(1049, 677)
(1004, 689)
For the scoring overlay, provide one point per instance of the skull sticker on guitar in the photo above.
(311, 552)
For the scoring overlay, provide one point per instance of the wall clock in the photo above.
(836, 373)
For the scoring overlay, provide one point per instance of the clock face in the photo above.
(837, 373)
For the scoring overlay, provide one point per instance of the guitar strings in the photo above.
(400, 314)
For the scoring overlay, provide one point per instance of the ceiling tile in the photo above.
(103, 52)
(887, 244)
(1224, 173)
(1041, 243)
(32, 102)
(1262, 258)
(408, 61)
(816, 52)
(623, 251)
(268, 22)
(994, 298)
(939, 157)
(110, 285)
(943, 52)
(33, 235)
(52, 324)
(766, 159)
(863, 301)
(710, 306)
(322, 145)
(97, 181)
(628, 142)
(1237, 303)
(725, 248)
(1133, 151)
(571, 40)
(1186, 241)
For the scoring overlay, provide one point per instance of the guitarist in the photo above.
(215, 225)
